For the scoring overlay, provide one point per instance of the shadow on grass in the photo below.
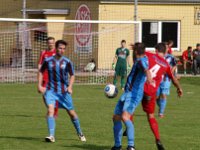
(89, 147)
(21, 138)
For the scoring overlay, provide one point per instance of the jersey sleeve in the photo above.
(41, 59)
(117, 52)
(173, 62)
(144, 64)
(70, 68)
(44, 66)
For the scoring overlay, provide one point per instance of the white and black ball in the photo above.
(110, 91)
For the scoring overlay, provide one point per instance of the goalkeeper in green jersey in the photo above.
(121, 63)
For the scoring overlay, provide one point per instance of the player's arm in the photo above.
(145, 66)
(41, 59)
(175, 82)
(115, 59)
(72, 77)
(41, 89)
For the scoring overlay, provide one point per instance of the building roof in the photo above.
(156, 1)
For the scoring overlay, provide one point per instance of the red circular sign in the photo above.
(83, 30)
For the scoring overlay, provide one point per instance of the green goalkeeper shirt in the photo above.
(122, 54)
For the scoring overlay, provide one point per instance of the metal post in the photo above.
(135, 19)
(23, 43)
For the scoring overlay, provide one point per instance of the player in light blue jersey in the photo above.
(164, 88)
(131, 98)
(59, 87)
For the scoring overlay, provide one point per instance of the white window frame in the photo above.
(160, 33)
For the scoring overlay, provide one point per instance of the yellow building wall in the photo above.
(190, 33)
(110, 35)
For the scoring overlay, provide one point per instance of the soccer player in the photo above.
(59, 87)
(120, 63)
(187, 59)
(131, 98)
(164, 88)
(158, 66)
(50, 51)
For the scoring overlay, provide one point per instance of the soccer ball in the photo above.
(110, 91)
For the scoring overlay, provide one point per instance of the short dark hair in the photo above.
(161, 47)
(139, 48)
(189, 47)
(61, 42)
(50, 38)
(198, 44)
(123, 41)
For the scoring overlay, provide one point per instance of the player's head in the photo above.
(189, 48)
(170, 43)
(60, 47)
(139, 49)
(198, 46)
(51, 43)
(123, 43)
(161, 49)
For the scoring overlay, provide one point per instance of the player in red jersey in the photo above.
(158, 66)
(44, 54)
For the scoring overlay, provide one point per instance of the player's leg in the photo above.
(148, 104)
(123, 78)
(163, 103)
(56, 109)
(117, 130)
(185, 66)
(117, 126)
(130, 129)
(50, 102)
(115, 79)
(125, 131)
(67, 102)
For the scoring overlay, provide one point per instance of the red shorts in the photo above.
(149, 103)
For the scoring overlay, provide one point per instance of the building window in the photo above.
(154, 32)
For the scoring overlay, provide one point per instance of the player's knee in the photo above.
(50, 111)
(116, 118)
(72, 114)
(151, 115)
(163, 96)
(126, 117)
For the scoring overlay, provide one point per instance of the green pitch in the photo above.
(23, 124)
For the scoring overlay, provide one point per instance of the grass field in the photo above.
(23, 124)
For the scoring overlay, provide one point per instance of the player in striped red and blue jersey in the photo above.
(59, 87)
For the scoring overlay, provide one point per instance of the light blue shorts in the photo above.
(163, 90)
(64, 99)
(128, 103)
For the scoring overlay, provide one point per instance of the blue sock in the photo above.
(130, 132)
(163, 103)
(51, 125)
(77, 126)
(118, 131)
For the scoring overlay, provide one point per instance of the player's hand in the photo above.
(41, 89)
(69, 89)
(179, 92)
(113, 66)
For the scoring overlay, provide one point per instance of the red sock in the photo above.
(56, 110)
(154, 127)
